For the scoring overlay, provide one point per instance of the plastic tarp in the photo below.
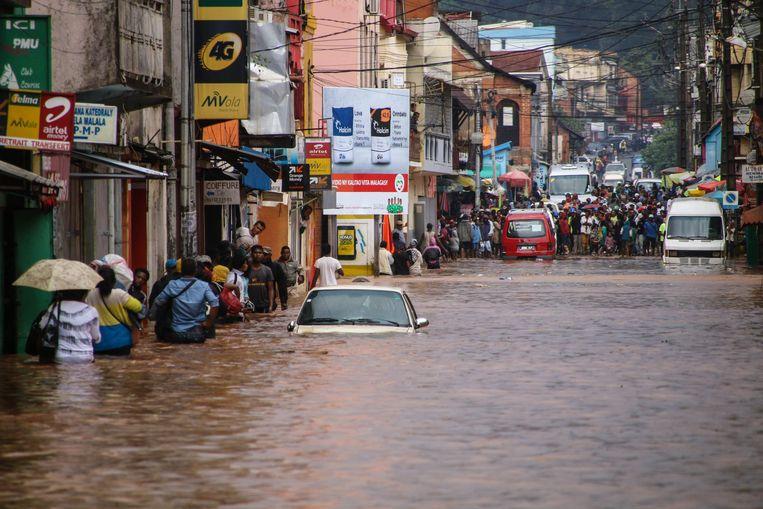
(271, 101)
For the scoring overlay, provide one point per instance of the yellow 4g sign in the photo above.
(221, 89)
(221, 51)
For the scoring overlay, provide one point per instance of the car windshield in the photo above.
(525, 229)
(354, 307)
(572, 184)
(614, 167)
(695, 227)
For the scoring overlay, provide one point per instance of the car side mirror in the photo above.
(292, 325)
(421, 322)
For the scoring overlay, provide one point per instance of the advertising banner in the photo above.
(346, 242)
(318, 156)
(370, 193)
(221, 89)
(36, 120)
(25, 52)
(370, 128)
(222, 192)
(297, 178)
(96, 123)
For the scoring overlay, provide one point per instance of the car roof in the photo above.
(527, 212)
(360, 287)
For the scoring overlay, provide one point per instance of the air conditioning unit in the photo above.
(372, 7)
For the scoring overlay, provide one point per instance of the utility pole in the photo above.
(478, 147)
(704, 106)
(727, 120)
(683, 118)
(549, 119)
(189, 244)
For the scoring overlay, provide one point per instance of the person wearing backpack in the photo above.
(236, 288)
(68, 329)
(184, 301)
(114, 307)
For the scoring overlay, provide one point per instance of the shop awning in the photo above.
(124, 170)
(238, 159)
(753, 216)
(10, 170)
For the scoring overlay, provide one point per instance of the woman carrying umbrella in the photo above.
(113, 306)
(68, 327)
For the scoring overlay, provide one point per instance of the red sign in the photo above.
(370, 182)
(37, 120)
(318, 149)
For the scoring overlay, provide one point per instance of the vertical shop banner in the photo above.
(221, 86)
(318, 157)
(370, 130)
(25, 52)
(36, 120)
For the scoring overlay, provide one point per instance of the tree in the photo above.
(662, 152)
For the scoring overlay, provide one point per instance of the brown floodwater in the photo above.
(577, 383)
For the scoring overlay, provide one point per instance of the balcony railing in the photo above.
(438, 152)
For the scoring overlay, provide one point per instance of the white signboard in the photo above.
(222, 192)
(370, 128)
(597, 127)
(96, 123)
(752, 173)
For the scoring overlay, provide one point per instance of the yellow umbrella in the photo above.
(59, 274)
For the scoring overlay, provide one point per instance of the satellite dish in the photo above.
(428, 30)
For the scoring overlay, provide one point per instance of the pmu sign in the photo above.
(221, 89)
(25, 52)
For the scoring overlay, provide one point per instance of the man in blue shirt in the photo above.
(189, 298)
(650, 235)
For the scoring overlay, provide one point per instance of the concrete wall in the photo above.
(84, 42)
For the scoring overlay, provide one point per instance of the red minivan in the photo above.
(528, 233)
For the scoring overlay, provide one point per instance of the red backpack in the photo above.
(230, 301)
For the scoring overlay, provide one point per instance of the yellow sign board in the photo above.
(319, 167)
(221, 100)
(346, 242)
(216, 10)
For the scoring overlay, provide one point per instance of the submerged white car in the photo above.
(357, 309)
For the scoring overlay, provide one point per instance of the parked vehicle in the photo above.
(584, 162)
(638, 160)
(695, 232)
(528, 233)
(357, 309)
(637, 173)
(568, 179)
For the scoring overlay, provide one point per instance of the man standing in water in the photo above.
(326, 268)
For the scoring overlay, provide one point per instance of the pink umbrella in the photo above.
(515, 178)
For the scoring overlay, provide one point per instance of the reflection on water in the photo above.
(583, 383)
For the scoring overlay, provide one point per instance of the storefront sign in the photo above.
(298, 178)
(364, 193)
(36, 120)
(96, 123)
(318, 155)
(222, 192)
(320, 182)
(346, 242)
(56, 168)
(597, 127)
(221, 74)
(370, 129)
(752, 173)
(25, 52)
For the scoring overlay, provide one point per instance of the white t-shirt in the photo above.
(328, 267)
(237, 278)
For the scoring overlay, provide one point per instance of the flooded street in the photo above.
(575, 383)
